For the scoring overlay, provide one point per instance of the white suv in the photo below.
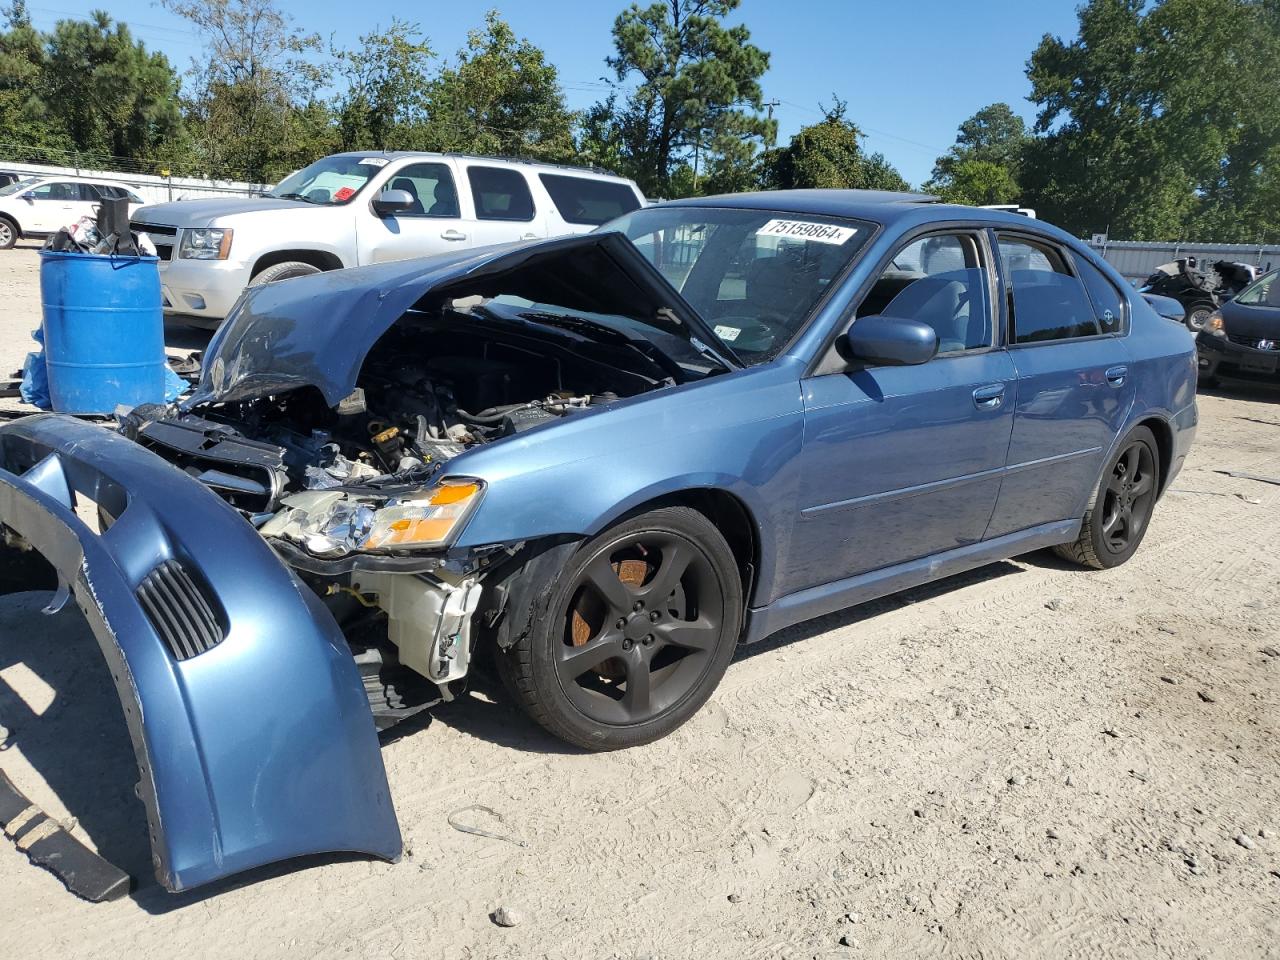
(39, 206)
(357, 208)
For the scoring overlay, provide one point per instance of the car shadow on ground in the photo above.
(1243, 390)
(60, 706)
(874, 608)
(180, 336)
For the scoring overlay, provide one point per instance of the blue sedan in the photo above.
(602, 462)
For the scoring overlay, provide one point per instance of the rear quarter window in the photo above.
(588, 201)
(1108, 304)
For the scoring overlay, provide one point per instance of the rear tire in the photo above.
(283, 271)
(9, 233)
(1121, 512)
(632, 635)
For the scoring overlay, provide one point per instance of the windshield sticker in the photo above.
(373, 162)
(727, 334)
(807, 230)
(345, 193)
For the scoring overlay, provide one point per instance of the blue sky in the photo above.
(910, 70)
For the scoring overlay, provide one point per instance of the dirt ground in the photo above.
(1026, 761)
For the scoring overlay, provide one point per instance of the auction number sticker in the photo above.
(807, 230)
(726, 333)
(373, 162)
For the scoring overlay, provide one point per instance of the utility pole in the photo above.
(769, 105)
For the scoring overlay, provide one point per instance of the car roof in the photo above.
(884, 207)
(582, 170)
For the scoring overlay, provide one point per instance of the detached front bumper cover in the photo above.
(252, 732)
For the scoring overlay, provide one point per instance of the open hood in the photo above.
(317, 331)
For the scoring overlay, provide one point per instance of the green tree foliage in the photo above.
(984, 163)
(697, 95)
(87, 89)
(829, 154)
(384, 104)
(500, 96)
(1160, 121)
(254, 103)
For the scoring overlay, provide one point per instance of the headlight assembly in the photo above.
(205, 243)
(431, 518)
(331, 523)
(1215, 325)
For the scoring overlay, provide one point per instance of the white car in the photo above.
(35, 207)
(352, 209)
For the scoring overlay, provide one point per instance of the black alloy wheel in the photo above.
(1129, 497)
(1116, 523)
(635, 633)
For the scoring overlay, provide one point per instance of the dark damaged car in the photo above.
(604, 460)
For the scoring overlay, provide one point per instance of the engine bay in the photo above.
(436, 384)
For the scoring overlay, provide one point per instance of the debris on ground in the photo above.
(507, 917)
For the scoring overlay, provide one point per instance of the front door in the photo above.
(901, 463)
(1075, 386)
(432, 225)
(55, 205)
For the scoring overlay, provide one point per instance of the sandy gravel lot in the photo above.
(1026, 761)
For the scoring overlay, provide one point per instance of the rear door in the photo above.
(501, 206)
(901, 463)
(1075, 386)
(432, 225)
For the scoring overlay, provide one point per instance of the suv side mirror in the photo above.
(888, 342)
(392, 201)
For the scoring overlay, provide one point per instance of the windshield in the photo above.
(18, 186)
(1262, 292)
(753, 275)
(331, 181)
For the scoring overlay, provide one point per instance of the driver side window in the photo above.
(939, 280)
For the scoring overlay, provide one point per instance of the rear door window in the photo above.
(500, 194)
(1048, 302)
(1108, 304)
(587, 201)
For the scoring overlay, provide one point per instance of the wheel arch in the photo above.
(730, 513)
(1162, 430)
(10, 218)
(320, 259)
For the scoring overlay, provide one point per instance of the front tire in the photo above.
(1197, 316)
(283, 271)
(9, 233)
(632, 636)
(1121, 512)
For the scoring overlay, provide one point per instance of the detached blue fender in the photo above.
(252, 731)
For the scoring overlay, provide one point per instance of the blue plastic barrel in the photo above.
(103, 331)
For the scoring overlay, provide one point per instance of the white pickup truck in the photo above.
(357, 208)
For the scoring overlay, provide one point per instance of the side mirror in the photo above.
(887, 342)
(392, 201)
(29, 197)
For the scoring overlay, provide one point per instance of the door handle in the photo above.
(453, 235)
(1115, 375)
(989, 397)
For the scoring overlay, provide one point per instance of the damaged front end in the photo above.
(276, 557)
